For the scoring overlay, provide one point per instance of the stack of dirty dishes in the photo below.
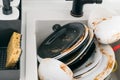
(106, 27)
(73, 44)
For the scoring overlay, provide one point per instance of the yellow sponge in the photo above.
(13, 50)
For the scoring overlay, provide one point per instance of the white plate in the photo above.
(104, 68)
(90, 64)
(98, 15)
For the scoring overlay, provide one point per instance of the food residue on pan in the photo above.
(71, 48)
(100, 20)
(67, 38)
(117, 36)
(56, 50)
(53, 69)
(80, 76)
(98, 39)
(68, 49)
(109, 66)
(88, 64)
(65, 69)
(41, 77)
(47, 59)
(76, 44)
(104, 19)
(94, 23)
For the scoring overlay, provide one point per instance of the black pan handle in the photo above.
(56, 27)
(54, 37)
(7, 9)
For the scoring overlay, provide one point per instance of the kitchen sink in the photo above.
(36, 33)
(42, 30)
(39, 25)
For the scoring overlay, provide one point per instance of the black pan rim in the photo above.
(79, 48)
(89, 42)
(81, 60)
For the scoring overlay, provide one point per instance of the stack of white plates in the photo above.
(99, 66)
(101, 63)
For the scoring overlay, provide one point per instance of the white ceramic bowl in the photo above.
(98, 15)
(52, 69)
(108, 31)
(105, 24)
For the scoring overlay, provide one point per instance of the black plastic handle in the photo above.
(6, 4)
(54, 37)
(56, 27)
(7, 9)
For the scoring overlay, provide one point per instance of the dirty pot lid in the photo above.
(62, 38)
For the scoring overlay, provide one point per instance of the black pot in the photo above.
(59, 43)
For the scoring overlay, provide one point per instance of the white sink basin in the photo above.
(35, 35)
(39, 26)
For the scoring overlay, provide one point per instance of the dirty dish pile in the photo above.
(103, 68)
(74, 44)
